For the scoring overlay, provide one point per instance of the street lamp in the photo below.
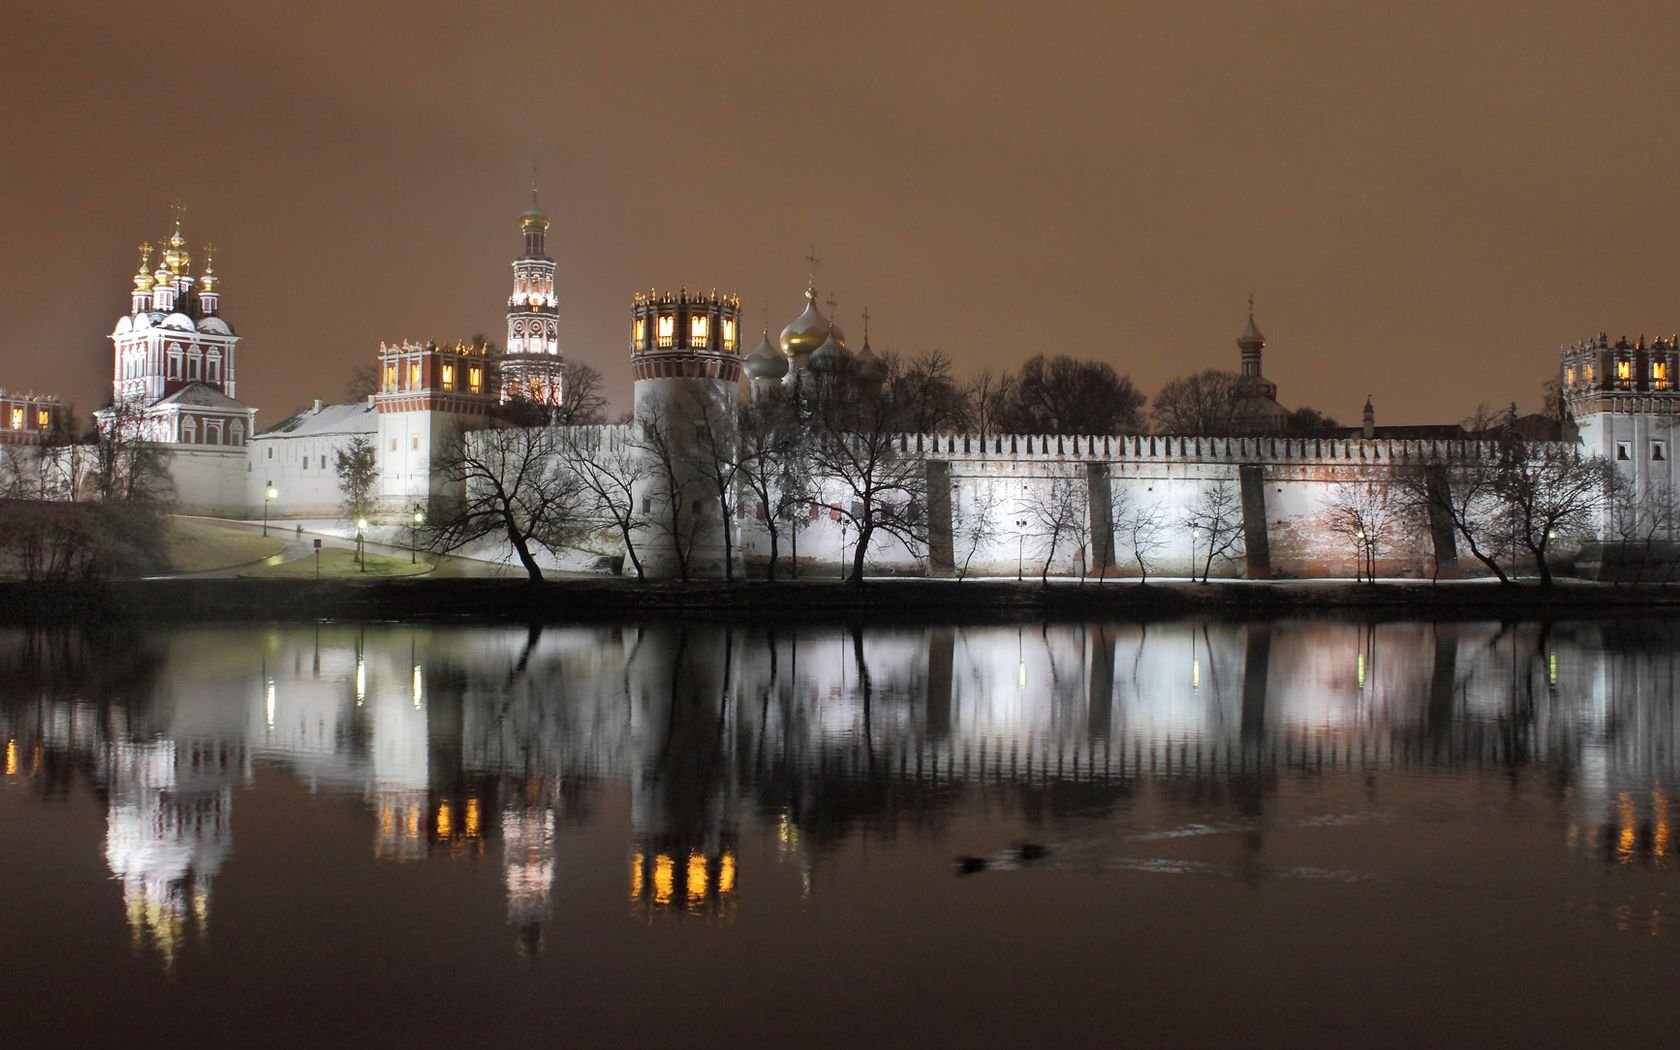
(1020, 546)
(414, 534)
(268, 494)
(361, 531)
(843, 523)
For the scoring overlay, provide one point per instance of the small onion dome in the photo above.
(533, 216)
(830, 357)
(765, 362)
(1251, 336)
(869, 367)
(805, 333)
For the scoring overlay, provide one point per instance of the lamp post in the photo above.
(843, 523)
(269, 492)
(414, 535)
(361, 552)
(1020, 547)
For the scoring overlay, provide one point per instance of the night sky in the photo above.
(1424, 199)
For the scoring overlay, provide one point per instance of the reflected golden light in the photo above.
(268, 703)
(445, 820)
(1551, 667)
(411, 828)
(1361, 670)
(664, 878)
(419, 687)
(361, 680)
(726, 875)
(696, 877)
(1196, 674)
(1659, 810)
(1626, 837)
(1021, 677)
(636, 877)
(11, 758)
(387, 823)
(472, 818)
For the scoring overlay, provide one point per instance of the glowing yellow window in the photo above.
(17, 419)
(1659, 375)
(1587, 372)
(414, 374)
(728, 333)
(667, 332)
(698, 329)
(1624, 372)
(390, 377)
(475, 379)
(1569, 376)
(448, 376)
(638, 332)
(43, 419)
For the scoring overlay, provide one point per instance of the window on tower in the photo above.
(729, 333)
(638, 332)
(666, 335)
(475, 379)
(390, 377)
(1587, 372)
(699, 326)
(414, 376)
(1569, 376)
(448, 376)
(1659, 374)
(17, 419)
(43, 419)
(1624, 373)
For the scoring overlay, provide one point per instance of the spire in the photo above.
(811, 261)
(207, 283)
(143, 275)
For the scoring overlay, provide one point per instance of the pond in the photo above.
(1192, 833)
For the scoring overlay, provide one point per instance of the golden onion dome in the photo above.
(142, 276)
(806, 332)
(533, 218)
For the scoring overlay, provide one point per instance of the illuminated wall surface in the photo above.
(486, 742)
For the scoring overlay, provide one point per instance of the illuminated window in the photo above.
(17, 419)
(414, 375)
(698, 328)
(728, 333)
(390, 377)
(1624, 373)
(475, 379)
(1587, 372)
(449, 377)
(43, 419)
(1659, 374)
(667, 332)
(1569, 376)
(638, 331)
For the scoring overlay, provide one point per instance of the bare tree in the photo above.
(1365, 514)
(609, 469)
(130, 467)
(363, 382)
(1142, 526)
(975, 525)
(772, 468)
(1462, 491)
(1639, 517)
(1057, 515)
(1195, 405)
(1216, 518)
(675, 490)
(510, 481)
(937, 404)
(988, 395)
(1061, 395)
(582, 402)
(1548, 491)
(858, 448)
(716, 457)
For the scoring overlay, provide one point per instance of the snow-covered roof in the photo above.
(198, 395)
(356, 417)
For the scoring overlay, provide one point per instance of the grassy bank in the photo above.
(427, 598)
(200, 546)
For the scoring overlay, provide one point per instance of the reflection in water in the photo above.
(490, 742)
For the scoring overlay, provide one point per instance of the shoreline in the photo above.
(429, 599)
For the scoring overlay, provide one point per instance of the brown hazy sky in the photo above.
(1424, 199)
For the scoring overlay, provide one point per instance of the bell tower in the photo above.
(531, 362)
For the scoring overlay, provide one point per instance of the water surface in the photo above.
(1310, 833)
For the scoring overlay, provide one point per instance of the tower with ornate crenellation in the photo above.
(1623, 400)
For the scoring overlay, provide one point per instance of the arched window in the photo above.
(236, 433)
(189, 431)
(213, 366)
(195, 357)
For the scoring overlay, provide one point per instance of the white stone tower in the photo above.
(531, 361)
(686, 362)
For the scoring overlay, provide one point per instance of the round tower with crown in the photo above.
(685, 358)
